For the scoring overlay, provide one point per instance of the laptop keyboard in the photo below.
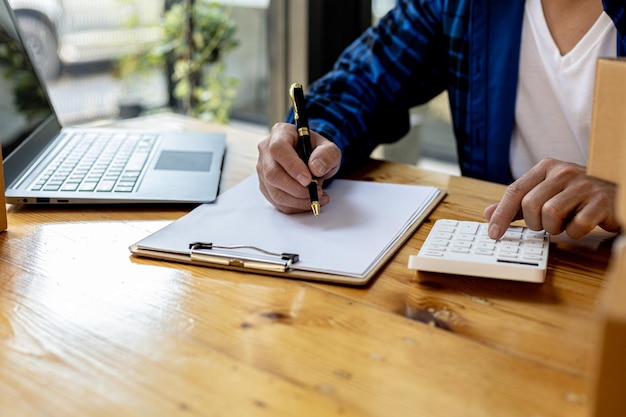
(98, 162)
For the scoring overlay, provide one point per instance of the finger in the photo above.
(583, 222)
(511, 203)
(552, 203)
(488, 212)
(278, 183)
(596, 210)
(281, 203)
(281, 148)
(325, 159)
(272, 175)
(558, 210)
(547, 206)
(324, 162)
(289, 204)
(526, 195)
(289, 199)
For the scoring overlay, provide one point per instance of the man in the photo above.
(519, 75)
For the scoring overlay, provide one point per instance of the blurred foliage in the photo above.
(197, 35)
(28, 97)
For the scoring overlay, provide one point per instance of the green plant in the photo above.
(28, 98)
(197, 35)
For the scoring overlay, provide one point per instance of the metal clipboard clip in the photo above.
(242, 256)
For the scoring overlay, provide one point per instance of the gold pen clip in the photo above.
(297, 104)
(294, 102)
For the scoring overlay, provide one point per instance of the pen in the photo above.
(302, 124)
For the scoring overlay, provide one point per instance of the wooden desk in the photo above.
(86, 330)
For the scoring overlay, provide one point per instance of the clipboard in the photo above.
(354, 236)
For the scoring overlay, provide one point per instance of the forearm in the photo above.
(365, 100)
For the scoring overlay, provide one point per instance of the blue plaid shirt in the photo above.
(469, 48)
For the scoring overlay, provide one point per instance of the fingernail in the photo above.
(494, 231)
(318, 167)
(303, 180)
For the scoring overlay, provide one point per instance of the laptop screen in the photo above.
(23, 102)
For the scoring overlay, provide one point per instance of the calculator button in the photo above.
(534, 251)
(466, 237)
(469, 228)
(486, 246)
(447, 229)
(514, 235)
(533, 244)
(531, 235)
(443, 235)
(510, 248)
(452, 223)
(458, 249)
(433, 253)
(462, 244)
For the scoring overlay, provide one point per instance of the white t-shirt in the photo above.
(555, 92)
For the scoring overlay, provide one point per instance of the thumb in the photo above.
(325, 160)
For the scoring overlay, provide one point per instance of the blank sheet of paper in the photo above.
(353, 232)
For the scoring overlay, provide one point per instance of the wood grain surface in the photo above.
(87, 330)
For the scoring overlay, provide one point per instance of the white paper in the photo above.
(359, 226)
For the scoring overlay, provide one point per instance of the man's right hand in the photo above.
(283, 176)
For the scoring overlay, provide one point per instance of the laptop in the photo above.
(46, 163)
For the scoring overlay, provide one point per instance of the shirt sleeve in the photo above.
(365, 99)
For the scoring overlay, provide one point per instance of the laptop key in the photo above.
(106, 185)
(88, 186)
(70, 186)
(124, 188)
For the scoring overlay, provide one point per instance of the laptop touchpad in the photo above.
(185, 161)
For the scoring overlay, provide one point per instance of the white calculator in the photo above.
(464, 247)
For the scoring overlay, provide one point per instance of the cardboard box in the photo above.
(607, 139)
(607, 155)
(610, 373)
(3, 203)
